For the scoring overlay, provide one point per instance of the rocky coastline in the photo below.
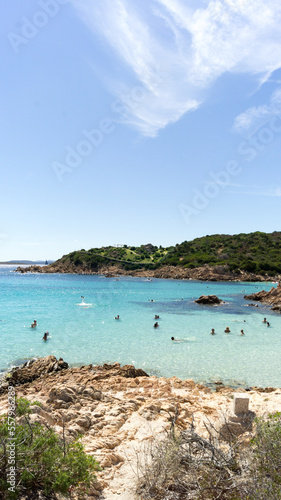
(203, 273)
(271, 297)
(118, 410)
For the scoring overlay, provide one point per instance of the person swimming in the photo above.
(178, 340)
(156, 316)
(242, 332)
(267, 323)
(117, 317)
(45, 336)
(213, 331)
(227, 330)
(156, 324)
(34, 324)
(264, 320)
(83, 303)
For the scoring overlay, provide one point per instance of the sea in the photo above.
(84, 330)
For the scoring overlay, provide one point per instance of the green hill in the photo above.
(258, 253)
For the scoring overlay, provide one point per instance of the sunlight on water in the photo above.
(79, 311)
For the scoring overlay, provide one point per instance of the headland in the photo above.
(243, 257)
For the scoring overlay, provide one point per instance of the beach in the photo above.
(119, 383)
(118, 411)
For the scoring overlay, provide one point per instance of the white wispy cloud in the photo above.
(255, 116)
(276, 192)
(234, 184)
(176, 49)
(251, 116)
(272, 192)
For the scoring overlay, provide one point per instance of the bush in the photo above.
(43, 461)
(266, 465)
(185, 466)
(23, 406)
(249, 266)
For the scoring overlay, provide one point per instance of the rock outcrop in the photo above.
(38, 368)
(272, 297)
(211, 300)
(35, 368)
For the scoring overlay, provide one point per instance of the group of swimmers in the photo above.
(265, 321)
(46, 334)
(156, 324)
(227, 330)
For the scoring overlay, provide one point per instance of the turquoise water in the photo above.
(83, 335)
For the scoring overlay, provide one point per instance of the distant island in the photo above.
(220, 257)
(26, 262)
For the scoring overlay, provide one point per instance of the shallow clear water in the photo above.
(83, 335)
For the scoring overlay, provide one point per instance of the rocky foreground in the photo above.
(203, 273)
(272, 297)
(118, 410)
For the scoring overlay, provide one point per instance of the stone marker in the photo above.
(239, 419)
(240, 403)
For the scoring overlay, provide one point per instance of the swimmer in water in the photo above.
(117, 317)
(267, 323)
(242, 332)
(177, 340)
(34, 324)
(156, 324)
(45, 336)
(156, 316)
(264, 320)
(213, 331)
(227, 330)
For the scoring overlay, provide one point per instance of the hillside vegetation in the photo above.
(258, 253)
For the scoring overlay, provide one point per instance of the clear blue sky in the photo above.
(136, 121)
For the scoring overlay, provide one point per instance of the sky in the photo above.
(137, 121)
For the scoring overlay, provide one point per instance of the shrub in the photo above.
(266, 467)
(184, 465)
(23, 406)
(43, 461)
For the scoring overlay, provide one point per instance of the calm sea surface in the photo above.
(83, 335)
